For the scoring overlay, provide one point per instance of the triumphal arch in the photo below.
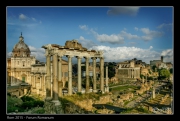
(73, 48)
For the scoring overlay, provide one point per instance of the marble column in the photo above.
(48, 77)
(94, 74)
(35, 81)
(55, 79)
(69, 75)
(134, 73)
(107, 87)
(106, 75)
(102, 74)
(40, 86)
(153, 94)
(11, 78)
(79, 73)
(87, 74)
(60, 75)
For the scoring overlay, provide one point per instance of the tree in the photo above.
(154, 67)
(164, 73)
(171, 70)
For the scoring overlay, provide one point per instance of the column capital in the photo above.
(94, 58)
(87, 57)
(101, 57)
(79, 57)
(69, 56)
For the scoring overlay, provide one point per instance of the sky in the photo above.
(121, 32)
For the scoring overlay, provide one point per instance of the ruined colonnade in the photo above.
(56, 52)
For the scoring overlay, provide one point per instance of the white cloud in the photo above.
(9, 54)
(22, 17)
(33, 19)
(136, 28)
(118, 54)
(83, 27)
(113, 38)
(132, 43)
(164, 25)
(85, 42)
(149, 35)
(123, 10)
(151, 47)
(129, 35)
(38, 53)
(167, 55)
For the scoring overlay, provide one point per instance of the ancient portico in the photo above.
(71, 49)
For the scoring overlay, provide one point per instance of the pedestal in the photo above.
(53, 106)
(106, 88)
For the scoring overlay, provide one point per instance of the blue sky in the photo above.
(123, 33)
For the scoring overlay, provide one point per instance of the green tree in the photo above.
(164, 73)
(154, 67)
(171, 70)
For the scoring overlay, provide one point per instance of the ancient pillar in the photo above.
(55, 79)
(70, 75)
(102, 74)
(40, 86)
(35, 81)
(60, 75)
(153, 92)
(79, 73)
(87, 74)
(107, 87)
(94, 74)
(48, 77)
(51, 79)
(11, 78)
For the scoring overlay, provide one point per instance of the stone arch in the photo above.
(23, 77)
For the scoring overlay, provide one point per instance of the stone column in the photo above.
(102, 74)
(94, 74)
(107, 87)
(40, 86)
(153, 92)
(87, 74)
(35, 81)
(70, 75)
(55, 79)
(11, 78)
(60, 75)
(79, 73)
(48, 77)
(134, 73)
(51, 79)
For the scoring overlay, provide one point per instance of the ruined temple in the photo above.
(74, 44)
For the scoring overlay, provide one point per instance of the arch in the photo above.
(23, 77)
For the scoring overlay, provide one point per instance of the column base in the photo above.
(106, 89)
(48, 98)
(94, 90)
(56, 102)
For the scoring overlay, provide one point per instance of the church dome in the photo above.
(21, 49)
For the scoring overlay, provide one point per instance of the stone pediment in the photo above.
(74, 44)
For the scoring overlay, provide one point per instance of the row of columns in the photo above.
(133, 73)
(34, 78)
(57, 75)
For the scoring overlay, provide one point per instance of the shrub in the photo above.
(39, 110)
(28, 104)
(79, 93)
(38, 102)
(27, 98)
